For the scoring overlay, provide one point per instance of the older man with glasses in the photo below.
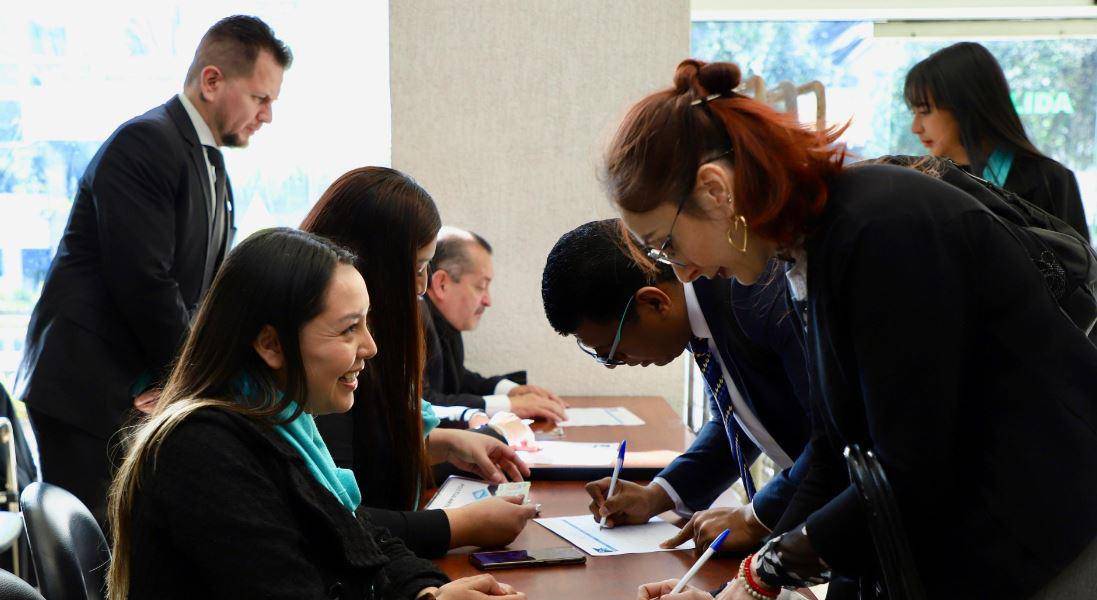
(746, 346)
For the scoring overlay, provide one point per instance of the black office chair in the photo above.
(13, 588)
(69, 551)
(886, 525)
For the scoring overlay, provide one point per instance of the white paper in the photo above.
(583, 532)
(456, 492)
(610, 415)
(571, 454)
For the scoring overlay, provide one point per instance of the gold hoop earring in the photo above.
(740, 222)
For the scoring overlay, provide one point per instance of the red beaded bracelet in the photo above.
(757, 588)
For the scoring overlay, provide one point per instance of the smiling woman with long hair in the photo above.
(930, 335)
(226, 490)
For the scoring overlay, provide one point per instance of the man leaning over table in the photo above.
(625, 313)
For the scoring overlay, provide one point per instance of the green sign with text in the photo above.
(1043, 102)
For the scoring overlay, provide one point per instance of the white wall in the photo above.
(501, 110)
(878, 4)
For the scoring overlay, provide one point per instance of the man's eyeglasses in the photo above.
(608, 361)
(661, 254)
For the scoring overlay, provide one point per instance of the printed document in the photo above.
(611, 415)
(584, 533)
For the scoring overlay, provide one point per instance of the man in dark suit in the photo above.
(594, 291)
(456, 298)
(151, 222)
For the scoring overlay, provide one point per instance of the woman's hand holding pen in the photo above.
(662, 589)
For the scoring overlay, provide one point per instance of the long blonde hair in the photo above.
(276, 277)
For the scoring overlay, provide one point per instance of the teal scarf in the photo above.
(430, 420)
(997, 168)
(301, 433)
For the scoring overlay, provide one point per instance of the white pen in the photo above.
(613, 480)
(700, 562)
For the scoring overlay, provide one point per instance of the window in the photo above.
(1051, 81)
(71, 73)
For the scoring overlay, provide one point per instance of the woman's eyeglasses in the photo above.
(661, 254)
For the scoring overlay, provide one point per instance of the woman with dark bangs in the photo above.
(930, 336)
(963, 111)
(389, 438)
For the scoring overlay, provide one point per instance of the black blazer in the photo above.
(758, 343)
(933, 340)
(447, 381)
(229, 510)
(1049, 185)
(128, 274)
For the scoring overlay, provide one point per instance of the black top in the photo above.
(231, 511)
(933, 340)
(1049, 185)
(447, 382)
(128, 274)
(426, 532)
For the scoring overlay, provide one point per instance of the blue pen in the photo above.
(616, 474)
(700, 562)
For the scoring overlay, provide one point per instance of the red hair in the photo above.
(781, 168)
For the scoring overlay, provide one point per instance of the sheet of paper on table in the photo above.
(457, 491)
(572, 454)
(605, 415)
(583, 532)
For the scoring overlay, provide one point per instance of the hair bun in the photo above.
(706, 78)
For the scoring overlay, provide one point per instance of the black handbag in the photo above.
(900, 575)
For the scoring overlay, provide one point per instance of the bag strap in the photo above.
(886, 525)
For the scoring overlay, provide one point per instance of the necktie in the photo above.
(217, 229)
(714, 378)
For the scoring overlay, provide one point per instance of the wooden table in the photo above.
(651, 446)
(601, 576)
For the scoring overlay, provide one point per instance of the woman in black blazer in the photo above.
(227, 490)
(930, 335)
(963, 111)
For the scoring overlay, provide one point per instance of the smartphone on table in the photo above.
(511, 559)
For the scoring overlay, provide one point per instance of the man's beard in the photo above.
(233, 140)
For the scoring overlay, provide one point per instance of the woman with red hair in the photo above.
(930, 335)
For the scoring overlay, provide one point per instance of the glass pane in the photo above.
(70, 74)
(1051, 80)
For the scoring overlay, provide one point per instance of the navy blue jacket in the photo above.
(758, 342)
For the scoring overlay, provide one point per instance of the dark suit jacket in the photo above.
(128, 274)
(758, 343)
(448, 382)
(230, 510)
(1049, 185)
(934, 341)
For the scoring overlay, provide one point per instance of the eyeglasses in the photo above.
(608, 361)
(660, 254)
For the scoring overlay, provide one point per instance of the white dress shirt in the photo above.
(205, 137)
(499, 401)
(746, 418)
